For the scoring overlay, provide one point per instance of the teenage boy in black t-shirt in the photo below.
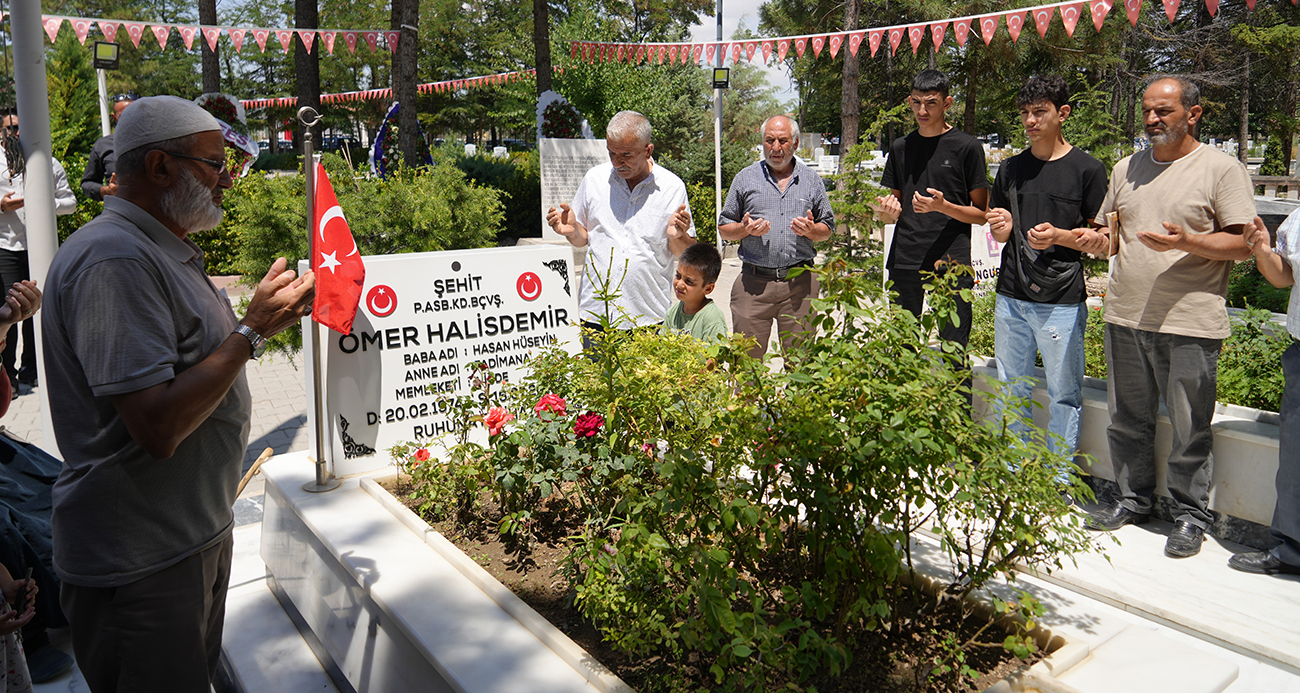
(939, 187)
(1057, 190)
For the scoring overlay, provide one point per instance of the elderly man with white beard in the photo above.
(145, 364)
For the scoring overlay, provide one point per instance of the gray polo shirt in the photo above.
(755, 191)
(127, 306)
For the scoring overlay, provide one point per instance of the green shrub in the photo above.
(702, 199)
(1247, 288)
(751, 524)
(519, 178)
(1250, 364)
(282, 161)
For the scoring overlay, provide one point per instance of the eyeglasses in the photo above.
(219, 167)
(129, 96)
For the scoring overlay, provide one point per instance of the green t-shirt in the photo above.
(705, 325)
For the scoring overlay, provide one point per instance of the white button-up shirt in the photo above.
(13, 224)
(627, 238)
(1288, 246)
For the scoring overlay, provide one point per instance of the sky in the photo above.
(733, 13)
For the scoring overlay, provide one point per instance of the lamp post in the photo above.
(717, 136)
(105, 58)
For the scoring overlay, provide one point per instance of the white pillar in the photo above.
(34, 125)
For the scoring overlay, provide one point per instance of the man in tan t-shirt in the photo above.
(1182, 207)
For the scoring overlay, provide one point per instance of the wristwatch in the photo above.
(255, 341)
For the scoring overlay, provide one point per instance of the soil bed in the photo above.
(882, 662)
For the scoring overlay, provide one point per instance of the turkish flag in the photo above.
(340, 274)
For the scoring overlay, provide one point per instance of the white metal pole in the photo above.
(104, 125)
(38, 181)
(717, 140)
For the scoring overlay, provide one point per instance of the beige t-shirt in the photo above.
(1174, 292)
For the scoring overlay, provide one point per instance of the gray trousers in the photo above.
(1141, 368)
(1286, 515)
(159, 634)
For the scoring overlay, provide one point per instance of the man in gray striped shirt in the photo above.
(777, 208)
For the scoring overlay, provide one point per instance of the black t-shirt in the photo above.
(1066, 192)
(952, 163)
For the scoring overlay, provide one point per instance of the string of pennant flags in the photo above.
(1070, 11)
(448, 85)
(136, 31)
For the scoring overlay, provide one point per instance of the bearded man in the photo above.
(1182, 207)
(145, 363)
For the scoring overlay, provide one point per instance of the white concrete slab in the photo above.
(1139, 659)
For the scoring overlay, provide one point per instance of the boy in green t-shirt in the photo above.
(696, 315)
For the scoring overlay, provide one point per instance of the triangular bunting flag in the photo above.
(767, 52)
(1100, 8)
(710, 51)
(818, 42)
(308, 38)
(1070, 17)
(81, 27)
(52, 25)
(392, 37)
(135, 30)
(622, 53)
(895, 38)
(212, 34)
(736, 51)
(237, 38)
(285, 37)
(1171, 9)
(663, 51)
(855, 40)
(937, 32)
(109, 30)
(696, 52)
(187, 35)
(782, 47)
(961, 31)
(573, 49)
(988, 27)
(914, 34)
(672, 54)
(1133, 7)
(260, 35)
(837, 40)
(161, 33)
(328, 38)
(350, 40)
(1043, 19)
(751, 48)
(800, 44)
(873, 39)
(372, 40)
(1015, 22)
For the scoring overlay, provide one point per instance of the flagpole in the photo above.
(324, 480)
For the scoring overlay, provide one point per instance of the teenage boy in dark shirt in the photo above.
(939, 187)
(1057, 190)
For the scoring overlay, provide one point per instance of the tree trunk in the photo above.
(211, 60)
(542, 44)
(850, 101)
(1243, 126)
(972, 74)
(306, 67)
(406, 19)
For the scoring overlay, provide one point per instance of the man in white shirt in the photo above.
(13, 243)
(633, 216)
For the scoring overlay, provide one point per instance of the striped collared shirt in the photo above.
(754, 190)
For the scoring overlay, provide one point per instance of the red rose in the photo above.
(550, 402)
(588, 425)
(422, 454)
(496, 419)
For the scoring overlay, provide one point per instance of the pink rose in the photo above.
(550, 402)
(422, 454)
(496, 419)
(588, 425)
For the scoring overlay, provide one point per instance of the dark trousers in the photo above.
(1141, 368)
(1286, 514)
(13, 268)
(911, 296)
(161, 633)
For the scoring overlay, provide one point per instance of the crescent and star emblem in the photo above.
(330, 260)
